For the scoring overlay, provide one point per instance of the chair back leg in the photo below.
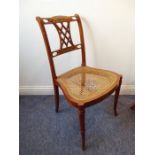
(56, 95)
(116, 97)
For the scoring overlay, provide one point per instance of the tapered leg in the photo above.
(116, 97)
(56, 93)
(82, 127)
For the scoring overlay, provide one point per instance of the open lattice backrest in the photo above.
(65, 35)
(62, 25)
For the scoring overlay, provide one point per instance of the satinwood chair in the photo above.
(83, 86)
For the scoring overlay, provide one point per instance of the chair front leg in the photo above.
(82, 127)
(116, 97)
(56, 96)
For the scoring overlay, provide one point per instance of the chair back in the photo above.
(64, 33)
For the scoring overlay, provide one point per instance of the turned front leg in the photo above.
(82, 127)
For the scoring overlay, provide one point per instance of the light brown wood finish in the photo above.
(67, 45)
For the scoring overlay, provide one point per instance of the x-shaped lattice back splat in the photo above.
(64, 34)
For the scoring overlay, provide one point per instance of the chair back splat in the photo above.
(64, 32)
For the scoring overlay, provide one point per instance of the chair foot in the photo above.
(132, 106)
(115, 113)
(82, 127)
(56, 110)
(116, 97)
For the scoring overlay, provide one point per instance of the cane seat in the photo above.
(85, 84)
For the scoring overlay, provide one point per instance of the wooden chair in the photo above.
(83, 86)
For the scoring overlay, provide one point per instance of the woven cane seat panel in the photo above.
(84, 84)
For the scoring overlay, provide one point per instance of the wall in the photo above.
(109, 36)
